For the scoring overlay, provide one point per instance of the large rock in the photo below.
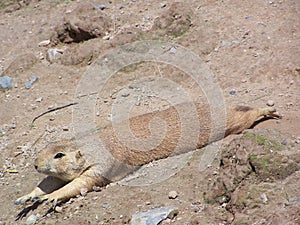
(6, 82)
(153, 216)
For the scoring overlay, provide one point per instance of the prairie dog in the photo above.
(70, 171)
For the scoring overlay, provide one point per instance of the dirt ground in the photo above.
(252, 51)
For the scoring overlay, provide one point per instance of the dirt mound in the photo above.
(175, 21)
(253, 169)
(83, 23)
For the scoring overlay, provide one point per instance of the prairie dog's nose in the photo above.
(35, 166)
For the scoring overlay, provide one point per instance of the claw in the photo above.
(38, 199)
(22, 200)
(47, 200)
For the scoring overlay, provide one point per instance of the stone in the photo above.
(83, 191)
(65, 128)
(58, 209)
(32, 219)
(6, 82)
(154, 216)
(270, 103)
(53, 54)
(44, 43)
(39, 99)
(31, 81)
(233, 92)
(173, 194)
(101, 7)
(264, 198)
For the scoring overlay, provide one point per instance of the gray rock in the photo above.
(31, 81)
(32, 219)
(53, 54)
(228, 43)
(264, 198)
(173, 50)
(102, 7)
(6, 82)
(154, 216)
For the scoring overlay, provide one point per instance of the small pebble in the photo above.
(102, 7)
(106, 37)
(32, 219)
(284, 143)
(58, 209)
(264, 198)
(44, 43)
(105, 205)
(39, 99)
(232, 92)
(54, 54)
(65, 128)
(173, 194)
(83, 191)
(31, 81)
(173, 50)
(124, 92)
(96, 188)
(163, 5)
(270, 103)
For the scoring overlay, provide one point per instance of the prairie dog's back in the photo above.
(179, 129)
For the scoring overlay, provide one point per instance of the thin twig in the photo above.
(53, 109)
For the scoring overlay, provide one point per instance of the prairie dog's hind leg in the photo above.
(48, 185)
(268, 112)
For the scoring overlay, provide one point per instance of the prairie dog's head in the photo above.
(61, 160)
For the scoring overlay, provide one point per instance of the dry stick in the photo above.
(53, 109)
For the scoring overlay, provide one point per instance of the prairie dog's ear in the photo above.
(78, 154)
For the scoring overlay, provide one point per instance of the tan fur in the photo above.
(70, 172)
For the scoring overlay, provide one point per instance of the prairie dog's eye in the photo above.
(59, 155)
